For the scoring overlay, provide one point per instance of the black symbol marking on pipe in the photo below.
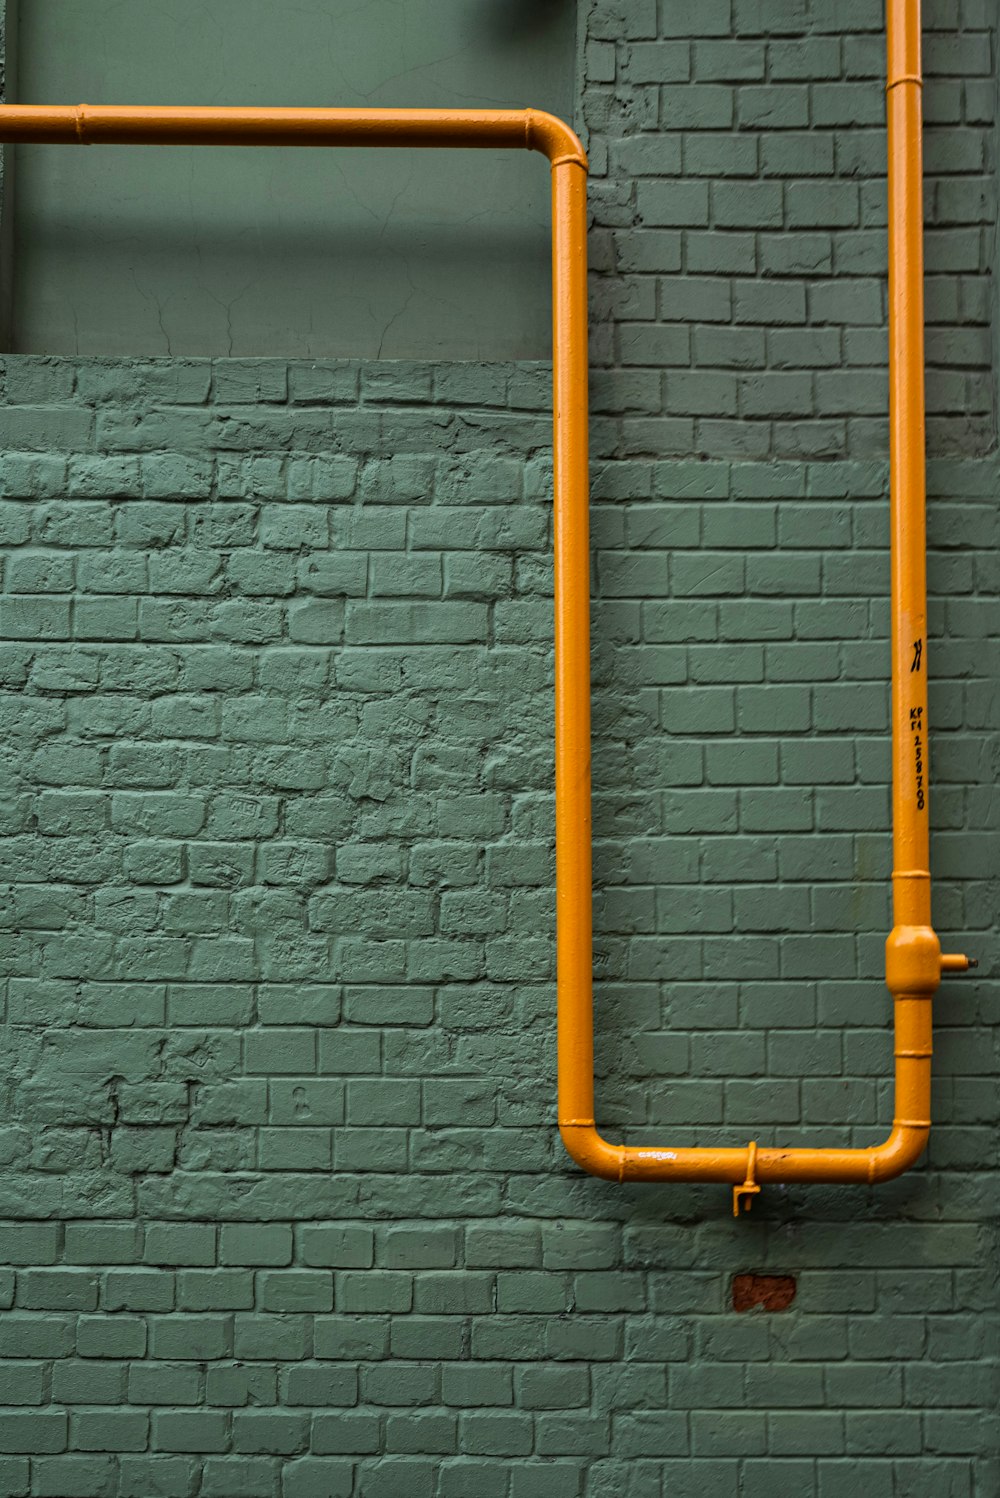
(918, 650)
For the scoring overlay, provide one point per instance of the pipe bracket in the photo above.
(750, 1188)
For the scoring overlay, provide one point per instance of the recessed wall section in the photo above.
(398, 254)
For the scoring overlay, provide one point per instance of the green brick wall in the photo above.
(283, 1210)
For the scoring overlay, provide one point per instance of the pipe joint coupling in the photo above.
(912, 961)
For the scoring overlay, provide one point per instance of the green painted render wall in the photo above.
(295, 253)
(283, 1210)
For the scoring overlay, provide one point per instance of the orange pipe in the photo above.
(182, 125)
(914, 962)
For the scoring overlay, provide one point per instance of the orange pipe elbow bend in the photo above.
(554, 138)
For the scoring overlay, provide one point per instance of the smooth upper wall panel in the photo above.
(398, 254)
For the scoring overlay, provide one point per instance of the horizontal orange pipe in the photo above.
(152, 125)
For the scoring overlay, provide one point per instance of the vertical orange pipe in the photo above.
(911, 840)
(574, 938)
(913, 954)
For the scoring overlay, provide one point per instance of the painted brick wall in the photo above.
(283, 1211)
(742, 217)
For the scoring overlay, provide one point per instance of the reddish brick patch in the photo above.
(769, 1292)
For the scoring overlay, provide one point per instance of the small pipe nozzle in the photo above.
(956, 962)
